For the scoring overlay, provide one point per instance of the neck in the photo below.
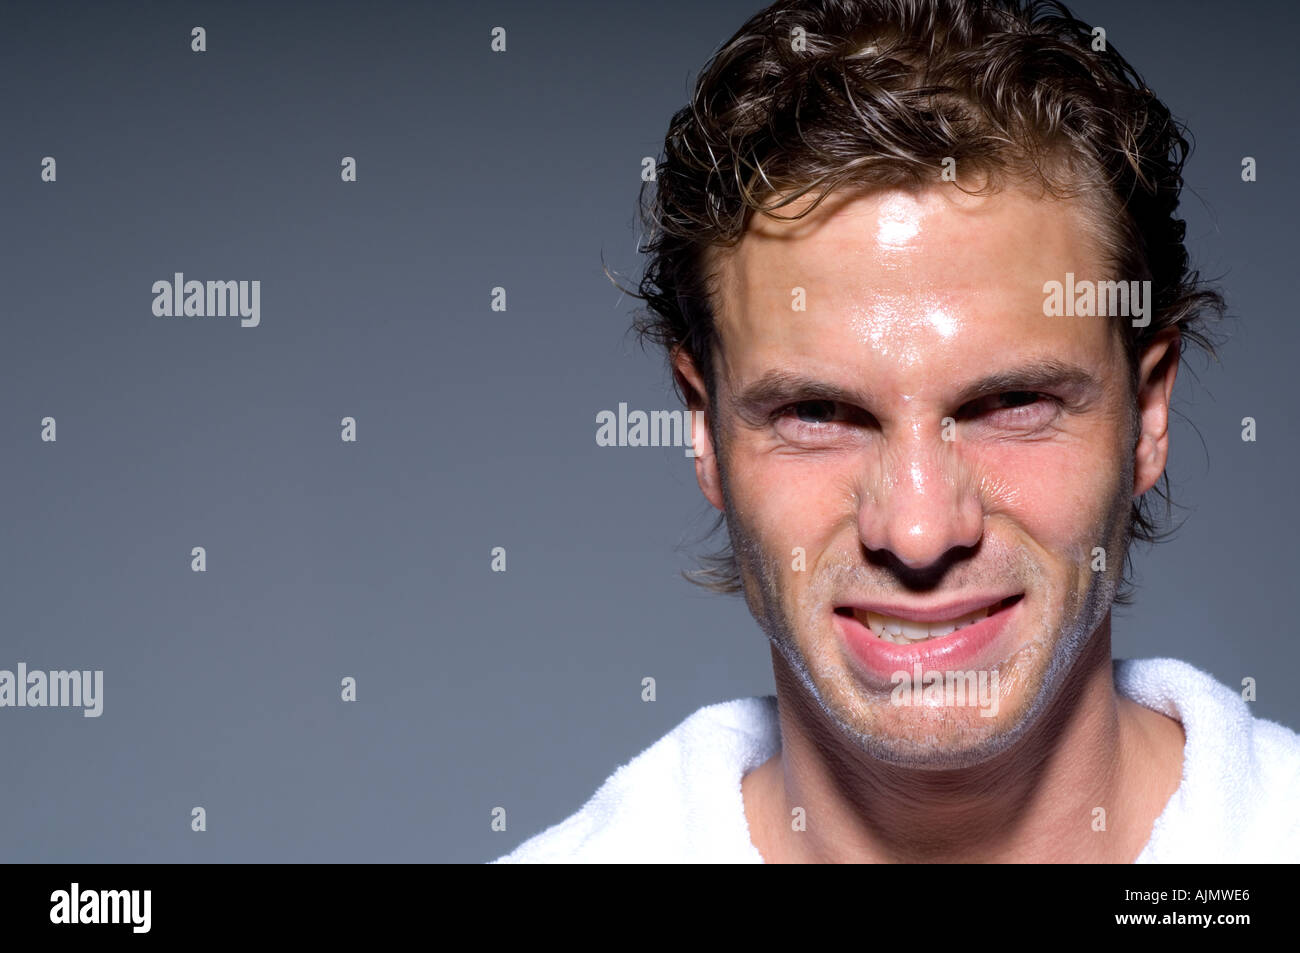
(1035, 802)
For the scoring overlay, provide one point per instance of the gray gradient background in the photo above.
(476, 428)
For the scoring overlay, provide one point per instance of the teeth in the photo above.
(905, 632)
(915, 631)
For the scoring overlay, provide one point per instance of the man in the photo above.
(918, 263)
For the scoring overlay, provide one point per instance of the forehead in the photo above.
(918, 277)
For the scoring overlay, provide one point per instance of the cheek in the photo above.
(1061, 494)
(788, 501)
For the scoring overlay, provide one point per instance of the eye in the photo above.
(814, 411)
(1017, 398)
(819, 423)
(1017, 408)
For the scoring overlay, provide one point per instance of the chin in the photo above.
(924, 729)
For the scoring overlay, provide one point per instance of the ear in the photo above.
(706, 458)
(1157, 369)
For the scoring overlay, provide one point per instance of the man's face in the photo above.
(917, 448)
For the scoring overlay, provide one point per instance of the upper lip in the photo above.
(933, 612)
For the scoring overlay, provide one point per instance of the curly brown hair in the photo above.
(832, 94)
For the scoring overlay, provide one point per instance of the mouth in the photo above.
(916, 628)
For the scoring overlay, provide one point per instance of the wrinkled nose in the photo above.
(922, 505)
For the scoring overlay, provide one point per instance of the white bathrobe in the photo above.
(679, 801)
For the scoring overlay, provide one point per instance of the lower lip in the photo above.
(960, 650)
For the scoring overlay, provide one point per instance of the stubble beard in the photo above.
(1073, 621)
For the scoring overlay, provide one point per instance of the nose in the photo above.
(922, 502)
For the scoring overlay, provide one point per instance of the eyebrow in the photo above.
(779, 387)
(1047, 374)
